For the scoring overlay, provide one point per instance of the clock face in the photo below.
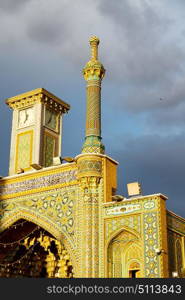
(51, 119)
(26, 117)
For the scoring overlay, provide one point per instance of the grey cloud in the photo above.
(136, 19)
(138, 27)
(12, 5)
(148, 59)
(62, 25)
(47, 25)
(163, 106)
(157, 163)
(146, 98)
(43, 30)
(169, 119)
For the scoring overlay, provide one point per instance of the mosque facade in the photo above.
(61, 216)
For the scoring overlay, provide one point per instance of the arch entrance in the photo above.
(27, 250)
(125, 256)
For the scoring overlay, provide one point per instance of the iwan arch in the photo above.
(64, 219)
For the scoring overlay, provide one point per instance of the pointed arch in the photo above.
(115, 233)
(122, 249)
(178, 256)
(44, 223)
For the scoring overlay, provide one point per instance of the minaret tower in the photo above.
(96, 174)
(93, 74)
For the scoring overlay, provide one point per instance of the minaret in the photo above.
(93, 74)
(90, 165)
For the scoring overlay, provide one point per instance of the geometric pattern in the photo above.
(93, 144)
(93, 149)
(56, 207)
(90, 165)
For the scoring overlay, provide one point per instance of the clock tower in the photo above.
(36, 129)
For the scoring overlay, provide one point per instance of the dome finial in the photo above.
(94, 42)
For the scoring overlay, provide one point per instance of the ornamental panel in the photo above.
(33, 183)
(49, 149)
(120, 209)
(150, 234)
(24, 150)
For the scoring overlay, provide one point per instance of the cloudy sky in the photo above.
(44, 43)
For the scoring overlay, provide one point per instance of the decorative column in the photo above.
(90, 194)
(93, 74)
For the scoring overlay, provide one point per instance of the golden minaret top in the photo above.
(94, 42)
(94, 68)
